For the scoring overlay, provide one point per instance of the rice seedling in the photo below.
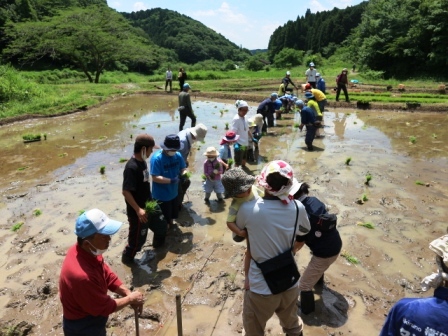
(17, 226)
(368, 179)
(37, 212)
(350, 258)
(187, 174)
(105, 124)
(203, 177)
(45, 136)
(364, 198)
(419, 182)
(131, 136)
(143, 128)
(412, 139)
(296, 125)
(134, 126)
(348, 160)
(123, 160)
(22, 168)
(80, 212)
(102, 137)
(63, 154)
(214, 127)
(434, 136)
(102, 169)
(135, 115)
(31, 137)
(367, 225)
(152, 207)
(230, 162)
(227, 126)
(158, 125)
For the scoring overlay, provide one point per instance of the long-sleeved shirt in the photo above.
(321, 85)
(213, 169)
(83, 285)
(185, 101)
(307, 116)
(267, 105)
(287, 81)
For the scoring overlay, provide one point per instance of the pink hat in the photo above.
(231, 136)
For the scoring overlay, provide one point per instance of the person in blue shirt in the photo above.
(167, 166)
(308, 119)
(267, 110)
(320, 84)
(424, 316)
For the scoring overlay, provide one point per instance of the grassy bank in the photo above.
(60, 91)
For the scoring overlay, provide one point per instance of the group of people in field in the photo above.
(272, 212)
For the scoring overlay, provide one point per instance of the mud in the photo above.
(200, 261)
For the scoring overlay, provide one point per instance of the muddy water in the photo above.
(60, 177)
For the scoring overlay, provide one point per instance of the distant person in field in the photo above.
(424, 316)
(308, 119)
(286, 81)
(342, 82)
(168, 79)
(185, 109)
(310, 75)
(181, 77)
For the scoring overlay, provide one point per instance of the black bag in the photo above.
(325, 222)
(281, 272)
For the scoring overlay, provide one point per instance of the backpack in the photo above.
(337, 78)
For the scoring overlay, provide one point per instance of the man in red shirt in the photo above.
(86, 279)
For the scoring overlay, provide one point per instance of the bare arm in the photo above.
(141, 213)
(236, 230)
(160, 179)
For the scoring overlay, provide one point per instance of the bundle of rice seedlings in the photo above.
(350, 258)
(367, 225)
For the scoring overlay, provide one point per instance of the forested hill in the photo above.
(190, 39)
(317, 31)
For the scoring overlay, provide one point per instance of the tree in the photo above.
(255, 62)
(91, 39)
(288, 58)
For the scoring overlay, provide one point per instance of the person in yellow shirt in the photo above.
(312, 103)
(318, 95)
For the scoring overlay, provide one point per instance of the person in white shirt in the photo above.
(310, 75)
(168, 79)
(240, 126)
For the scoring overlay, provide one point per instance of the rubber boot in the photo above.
(221, 197)
(207, 198)
(307, 302)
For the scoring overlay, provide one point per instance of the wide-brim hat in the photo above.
(199, 131)
(231, 136)
(172, 143)
(211, 151)
(236, 181)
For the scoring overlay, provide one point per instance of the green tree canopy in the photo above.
(91, 39)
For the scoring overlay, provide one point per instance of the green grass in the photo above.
(37, 212)
(16, 227)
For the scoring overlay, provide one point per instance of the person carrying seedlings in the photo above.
(324, 242)
(273, 223)
(240, 186)
(167, 166)
(85, 279)
(225, 153)
(185, 109)
(308, 119)
(267, 109)
(342, 82)
(213, 170)
(312, 103)
(136, 191)
(286, 81)
(310, 75)
(187, 138)
(241, 127)
(424, 316)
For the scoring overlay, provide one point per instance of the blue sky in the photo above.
(249, 23)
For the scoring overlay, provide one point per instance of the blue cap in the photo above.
(186, 86)
(309, 95)
(278, 104)
(274, 95)
(95, 221)
(300, 102)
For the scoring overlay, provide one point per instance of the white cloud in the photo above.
(139, 6)
(115, 4)
(316, 6)
(224, 14)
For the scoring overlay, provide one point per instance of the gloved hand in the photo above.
(255, 140)
(237, 146)
(174, 180)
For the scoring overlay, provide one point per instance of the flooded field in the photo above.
(405, 153)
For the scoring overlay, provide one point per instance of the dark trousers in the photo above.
(138, 232)
(186, 112)
(342, 87)
(184, 184)
(313, 84)
(168, 82)
(181, 83)
(170, 209)
(310, 134)
(87, 326)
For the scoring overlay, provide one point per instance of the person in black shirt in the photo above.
(287, 80)
(136, 191)
(325, 245)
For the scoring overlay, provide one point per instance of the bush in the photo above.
(288, 58)
(13, 87)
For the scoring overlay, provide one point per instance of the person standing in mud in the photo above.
(310, 75)
(187, 138)
(272, 223)
(241, 127)
(169, 79)
(137, 191)
(308, 119)
(342, 82)
(85, 279)
(424, 316)
(324, 242)
(185, 109)
(167, 166)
